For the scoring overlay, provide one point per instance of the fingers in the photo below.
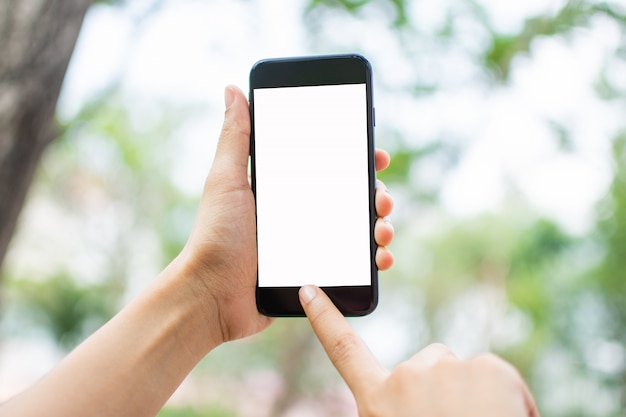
(233, 146)
(383, 200)
(344, 347)
(384, 258)
(382, 159)
(529, 400)
(489, 361)
(432, 354)
(383, 230)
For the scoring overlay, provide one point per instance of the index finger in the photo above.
(346, 350)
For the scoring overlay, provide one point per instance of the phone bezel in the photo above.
(315, 71)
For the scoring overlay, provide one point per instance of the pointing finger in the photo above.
(344, 347)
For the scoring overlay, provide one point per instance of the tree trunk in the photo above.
(37, 38)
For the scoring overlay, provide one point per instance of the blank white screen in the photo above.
(312, 187)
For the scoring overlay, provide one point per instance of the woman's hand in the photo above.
(433, 383)
(221, 255)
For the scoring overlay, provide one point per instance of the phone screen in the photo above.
(312, 186)
(313, 179)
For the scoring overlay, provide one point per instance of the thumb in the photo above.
(233, 146)
(344, 347)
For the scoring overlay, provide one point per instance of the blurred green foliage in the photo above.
(139, 160)
(399, 7)
(511, 281)
(69, 310)
(610, 277)
(574, 15)
(169, 411)
(112, 183)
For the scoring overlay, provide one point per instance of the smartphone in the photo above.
(313, 178)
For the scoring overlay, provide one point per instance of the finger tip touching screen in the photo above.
(313, 178)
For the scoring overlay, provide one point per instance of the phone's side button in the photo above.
(374, 115)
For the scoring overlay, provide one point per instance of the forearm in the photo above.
(132, 365)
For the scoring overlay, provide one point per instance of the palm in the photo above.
(227, 243)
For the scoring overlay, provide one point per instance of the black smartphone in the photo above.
(313, 178)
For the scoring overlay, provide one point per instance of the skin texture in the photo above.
(433, 383)
(205, 297)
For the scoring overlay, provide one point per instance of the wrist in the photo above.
(196, 307)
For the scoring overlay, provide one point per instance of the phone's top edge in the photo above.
(304, 58)
(296, 71)
(311, 58)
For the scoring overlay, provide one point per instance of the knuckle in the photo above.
(492, 362)
(405, 373)
(497, 367)
(440, 347)
(341, 348)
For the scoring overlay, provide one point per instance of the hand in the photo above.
(221, 251)
(432, 383)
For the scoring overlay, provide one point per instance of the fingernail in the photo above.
(307, 293)
(229, 96)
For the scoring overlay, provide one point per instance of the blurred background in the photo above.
(506, 122)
